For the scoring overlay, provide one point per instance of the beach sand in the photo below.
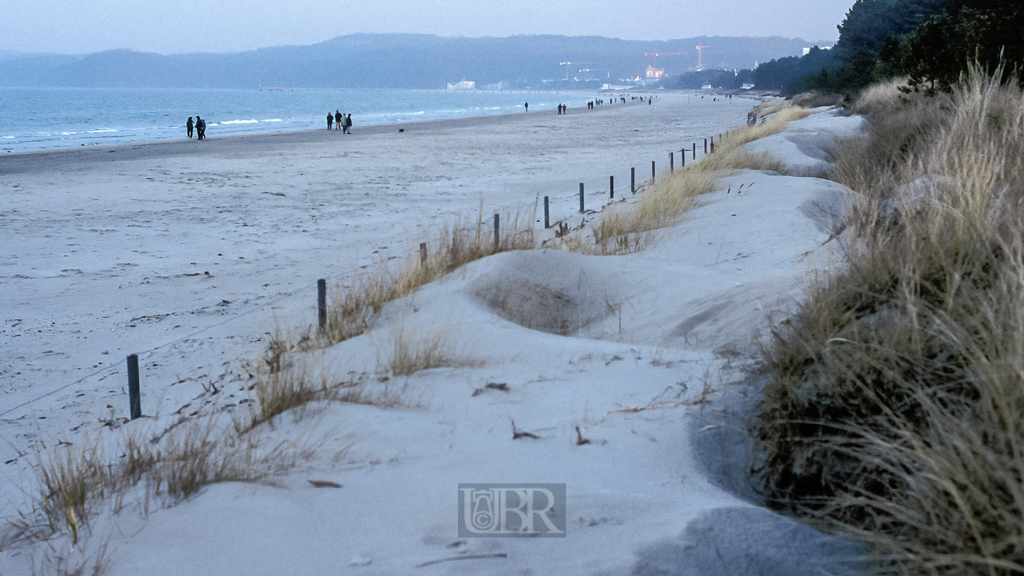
(119, 250)
(188, 253)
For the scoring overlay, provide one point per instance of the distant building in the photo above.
(706, 87)
(808, 50)
(464, 85)
(499, 86)
(655, 73)
(747, 86)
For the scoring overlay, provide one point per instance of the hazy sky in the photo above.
(175, 26)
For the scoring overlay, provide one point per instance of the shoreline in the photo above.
(237, 112)
(54, 158)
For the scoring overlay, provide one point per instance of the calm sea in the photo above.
(41, 118)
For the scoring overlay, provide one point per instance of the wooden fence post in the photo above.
(134, 404)
(321, 301)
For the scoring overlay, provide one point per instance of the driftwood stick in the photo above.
(467, 557)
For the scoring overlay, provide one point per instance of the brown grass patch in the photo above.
(896, 394)
(628, 228)
(408, 352)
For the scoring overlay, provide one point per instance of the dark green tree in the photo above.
(935, 55)
(869, 23)
(870, 28)
(780, 73)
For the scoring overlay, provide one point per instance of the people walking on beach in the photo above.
(188, 126)
(330, 120)
(347, 121)
(527, 106)
(338, 119)
(200, 128)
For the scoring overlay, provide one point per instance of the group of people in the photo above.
(199, 126)
(339, 121)
(562, 109)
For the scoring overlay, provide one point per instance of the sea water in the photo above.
(42, 118)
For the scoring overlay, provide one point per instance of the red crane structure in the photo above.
(700, 57)
(653, 72)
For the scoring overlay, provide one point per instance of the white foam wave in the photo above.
(239, 122)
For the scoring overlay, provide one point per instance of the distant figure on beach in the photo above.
(200, 128)
(347, 121)
(527, 106)
(188, 126)
(330, 120)
(338, 119)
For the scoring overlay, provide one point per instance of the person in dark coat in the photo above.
(339, 119)
(200, 128)
(188, 126)
(330, 120)
(348, 123)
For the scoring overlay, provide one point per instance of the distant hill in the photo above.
(394, 61)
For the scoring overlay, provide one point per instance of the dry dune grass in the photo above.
(353, 308)
(816, 99)
(895, 403)
(625, 229)
(302, 379)
(76, 480)
(407, 352)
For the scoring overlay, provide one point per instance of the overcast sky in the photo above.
(177, 26)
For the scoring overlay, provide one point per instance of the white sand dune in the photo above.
(625, 348)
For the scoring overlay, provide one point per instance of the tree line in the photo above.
(929, 42)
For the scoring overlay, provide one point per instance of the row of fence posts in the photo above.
(134, 400)
(632, 178)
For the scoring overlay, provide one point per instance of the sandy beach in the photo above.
(119, 250)
(189, 254)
